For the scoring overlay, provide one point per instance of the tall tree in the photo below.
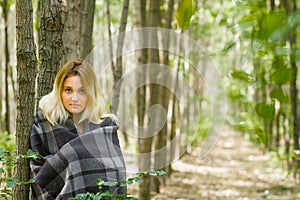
(291, 9)
(52, 14)
(145, 143)
(160, 140)
(7, 60)
(139, 21)
(78, 30)
(117, 66)
(26, 72)
(87, 28)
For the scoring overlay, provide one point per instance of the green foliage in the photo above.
(266, 111)
(281, 76)
(184, 14)
(279, 95)
(273, 26)
(198, 132)
(242, 76)
(7, 160)
(250, 124)
(104, 194)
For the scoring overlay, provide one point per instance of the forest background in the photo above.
(205, 63)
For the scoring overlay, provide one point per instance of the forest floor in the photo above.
(235, 169)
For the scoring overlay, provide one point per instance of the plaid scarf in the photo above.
(71, 163)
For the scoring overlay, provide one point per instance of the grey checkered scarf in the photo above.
(71, 163)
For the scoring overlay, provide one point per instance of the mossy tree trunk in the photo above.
(26, 72)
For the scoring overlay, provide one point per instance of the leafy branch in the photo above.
(105, 194)
(6, 163)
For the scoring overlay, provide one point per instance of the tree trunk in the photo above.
(26, 72)
(118, 71)
(7, 60)
(277, 128)
(153, 59)
(139, 18)
(50, 44)
(87, 28)
(72, 32)
(166, 44)
(293, 85)
(78, 30)
(161, 158)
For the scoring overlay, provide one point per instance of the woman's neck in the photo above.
(79, 125)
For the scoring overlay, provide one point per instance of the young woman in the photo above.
(77, 144)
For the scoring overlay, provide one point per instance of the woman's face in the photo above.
(73, 95)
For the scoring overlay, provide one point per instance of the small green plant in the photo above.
(7, 182)
(105, 194)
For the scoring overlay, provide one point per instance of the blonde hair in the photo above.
(51, 104)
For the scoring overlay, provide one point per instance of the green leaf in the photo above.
(161, 173)
(137, 179)
(229, 46)
(129, 182)
(279, 95)
(242, 76)
(184, 13)
(11, 184)
(81, 197)
(107, 193)
(30, 155)
(261, 135)
(110, 184)
(282, 76)
(266, 111)
(95, 197)
(272, 22)
(99, 181)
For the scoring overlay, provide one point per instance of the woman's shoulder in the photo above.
(108, 121)
(39, 116)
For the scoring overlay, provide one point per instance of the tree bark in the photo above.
(50, 44)
(118, 71)
(72, 32)
(139, 18)
(161, 157)
(7, 60)
(26, 72)
(153, 58)
(87, 27)
(78, 30)
(291, 8)
(293, 85)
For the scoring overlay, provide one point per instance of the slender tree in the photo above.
(145, 143)
(50, 44)
(26, 72)
(87, 27)
(160, 140)
(292, 38)
(7, 66)
(139, 21)
(118, 71)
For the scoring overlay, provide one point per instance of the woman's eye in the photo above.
(81, 91)
(69, 91)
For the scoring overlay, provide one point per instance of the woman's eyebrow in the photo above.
(70, 87)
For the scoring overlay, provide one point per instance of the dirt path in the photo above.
(235, 169)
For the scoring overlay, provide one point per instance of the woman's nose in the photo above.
(74, 96)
